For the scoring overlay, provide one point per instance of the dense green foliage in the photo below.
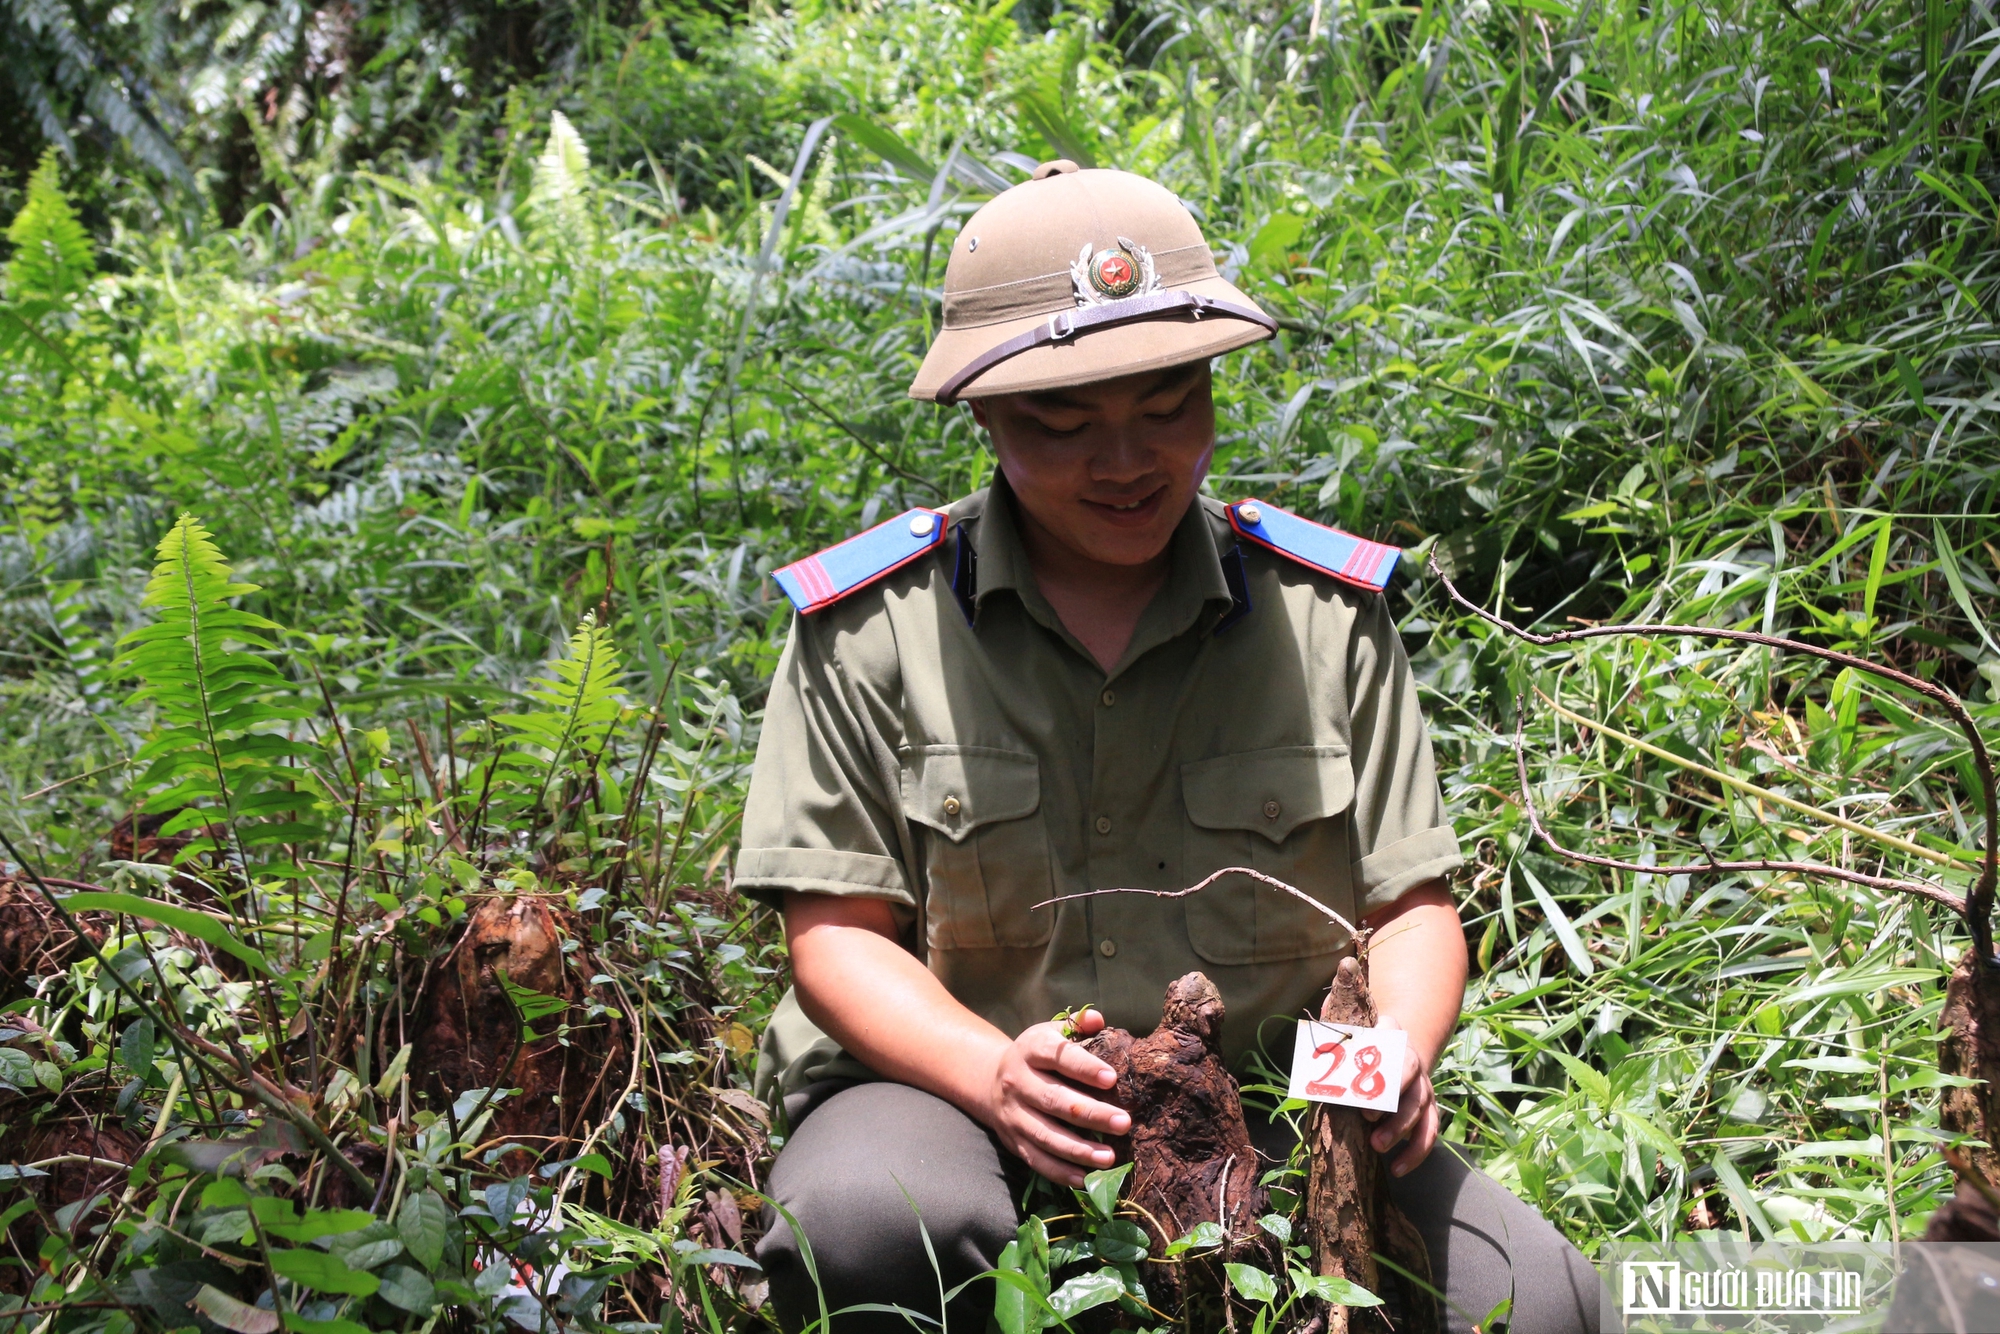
(1673, 313)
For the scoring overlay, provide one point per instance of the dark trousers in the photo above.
(864, 1164)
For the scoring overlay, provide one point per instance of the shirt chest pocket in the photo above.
(985, 850)
(1282, 812)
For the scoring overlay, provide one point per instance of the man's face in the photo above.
(1107, 470)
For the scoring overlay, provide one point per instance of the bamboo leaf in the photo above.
(184, 920)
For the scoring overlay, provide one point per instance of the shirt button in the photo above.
(1103, 824)
(1271, 809)
(951, 805)
(1107, 947)
(1108, 698)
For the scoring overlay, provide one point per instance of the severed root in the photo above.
(1189, 1146)
(1969, 1045)
(1349, 1216)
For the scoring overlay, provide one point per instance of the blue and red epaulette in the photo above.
(822, 580)
(1352, 560)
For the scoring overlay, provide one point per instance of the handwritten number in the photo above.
(1339, 1053)
(1369, 1081)
(1368, 1062)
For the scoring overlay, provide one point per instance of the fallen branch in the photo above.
(1976, 907)
(1270, 880)
(1916, 887)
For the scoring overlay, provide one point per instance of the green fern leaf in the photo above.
(581, 702)
(560, 196)
(218, 748)
(53, 256)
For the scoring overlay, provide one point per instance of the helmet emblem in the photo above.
(1112, 274)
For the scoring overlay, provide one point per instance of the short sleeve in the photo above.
(819, 818)
(1399, 835)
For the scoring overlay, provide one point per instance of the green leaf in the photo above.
(1090, 1290)
(1592, 1082)
(184, 920)
(1913, 385)
(1275, 239)
(422, 1226)
(1339, 1291)
(1120, 1241)
(1020, 1305)
(1862, 983)
(1579, 957)
(230, 1313)
(884, 143)
(409, 1289)
(386, 1085)
(323, 1273)
(1100, 1189)
(1202, 1237)
(716, 1256)
(1662, 1143)
(300, 1325)
(53, 254)
(1954, 577)
(1252, 1283)
(135, 1047)
(1878, 564)
(322, 1223)
(1041, 108)
(1834, 1065)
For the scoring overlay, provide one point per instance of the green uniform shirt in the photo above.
(967, 772)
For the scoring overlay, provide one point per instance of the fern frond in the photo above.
(560, 196)
(217, 750)
(53, 255)
(581, 702)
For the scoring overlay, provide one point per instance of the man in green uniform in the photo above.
(1088, 677)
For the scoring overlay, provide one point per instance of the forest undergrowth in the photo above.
(385, 612)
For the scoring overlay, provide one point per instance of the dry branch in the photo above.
(1977, 907)
(1916, 887)
(1270, 880)
(1969, 1041)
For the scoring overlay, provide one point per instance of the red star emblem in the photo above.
(1112, 273)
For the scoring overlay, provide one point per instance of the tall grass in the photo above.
(1682, 311)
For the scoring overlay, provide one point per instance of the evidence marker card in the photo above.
(1355, 1067)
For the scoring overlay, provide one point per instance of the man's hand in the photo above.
(1416, 1114)
(1035, 1100)
(1416, 971)
(878, 1001)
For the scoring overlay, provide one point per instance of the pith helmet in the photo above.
(1078, 276)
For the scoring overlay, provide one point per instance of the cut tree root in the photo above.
(1350, 1219)
(470, 1033)
(1192, 1161)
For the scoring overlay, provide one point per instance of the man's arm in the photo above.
(1416, 972)
(891, 1013)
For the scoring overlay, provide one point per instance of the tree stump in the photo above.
(1192, 1161)
(1969, 1045)
(1349, 1216)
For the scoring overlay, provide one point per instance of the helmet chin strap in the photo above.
(1066, 324)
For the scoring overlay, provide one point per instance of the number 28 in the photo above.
(1368, 1079)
